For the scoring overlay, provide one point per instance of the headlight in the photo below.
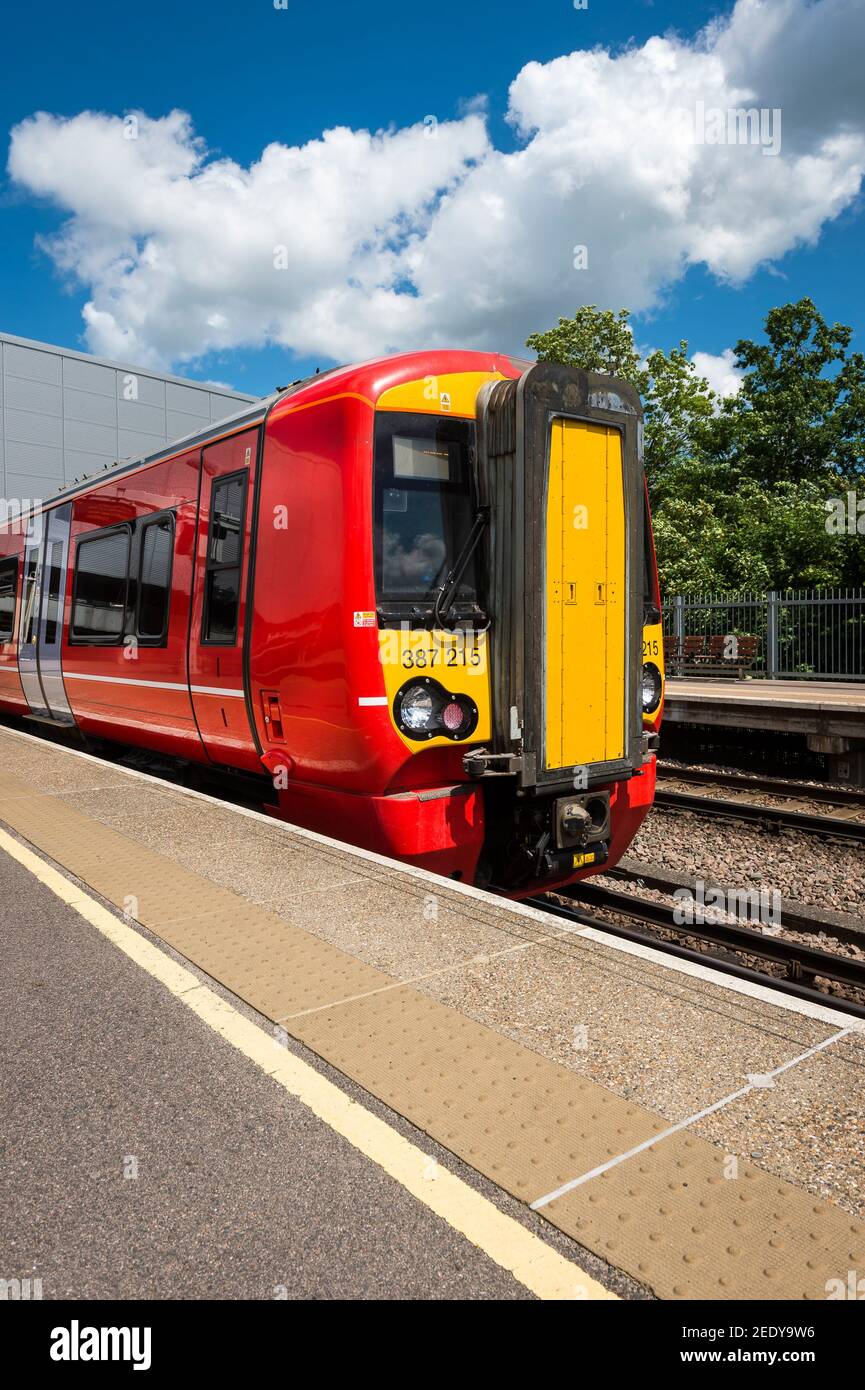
(424, 709)
(651, 687)
(416, 709)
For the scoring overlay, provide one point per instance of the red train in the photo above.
(417, 598)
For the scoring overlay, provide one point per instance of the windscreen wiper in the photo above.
(447, 592)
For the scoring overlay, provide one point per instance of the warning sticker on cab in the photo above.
(365, 618)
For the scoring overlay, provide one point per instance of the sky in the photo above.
(243, 191)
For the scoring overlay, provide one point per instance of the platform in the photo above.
(829, 714)
(701, 1137)
(805, 707)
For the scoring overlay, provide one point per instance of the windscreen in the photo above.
(424, 507)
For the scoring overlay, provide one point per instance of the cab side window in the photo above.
(154, 579)
(224, 555)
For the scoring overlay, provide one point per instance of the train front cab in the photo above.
(538, 674)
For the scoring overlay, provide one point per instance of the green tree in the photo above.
(596, 340)
(713, 537)
(800, 413)
(680, 409)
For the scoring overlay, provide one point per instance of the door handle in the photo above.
(272, 712)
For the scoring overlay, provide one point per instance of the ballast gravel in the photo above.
(803, 868)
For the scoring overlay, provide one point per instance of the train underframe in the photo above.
(484, 833)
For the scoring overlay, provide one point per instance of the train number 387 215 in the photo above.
(459, 655)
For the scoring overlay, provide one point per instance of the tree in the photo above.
(800, 413)
(596, 340)
(679, 408)
(711, 537)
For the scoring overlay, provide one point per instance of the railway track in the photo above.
(688, 796)
(771, 786)
(798, 917)
(802, 965)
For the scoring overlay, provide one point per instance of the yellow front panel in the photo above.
(586, 596)
(653, 650)
(458, 661)
(455, 393)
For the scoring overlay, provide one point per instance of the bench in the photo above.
(726, 654)
(677, 657)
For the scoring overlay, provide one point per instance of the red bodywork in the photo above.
(285, 697)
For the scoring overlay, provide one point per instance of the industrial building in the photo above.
(64, 414)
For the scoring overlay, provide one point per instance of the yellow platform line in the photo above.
(532, 1262)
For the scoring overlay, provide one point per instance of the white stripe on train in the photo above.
(154, 685)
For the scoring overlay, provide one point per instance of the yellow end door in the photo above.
(586, 597)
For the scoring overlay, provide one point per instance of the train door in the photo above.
(28, 660)
(221, 601)
(586, 597)
(46, 564)
(55, 571)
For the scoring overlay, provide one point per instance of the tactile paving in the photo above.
(672, 1216)
(692, 1222)
(521, 1119)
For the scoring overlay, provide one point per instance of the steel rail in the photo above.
(771, 786)
(778, 817)
(808, 920)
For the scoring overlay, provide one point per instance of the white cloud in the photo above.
(428, 235)
(720, 371)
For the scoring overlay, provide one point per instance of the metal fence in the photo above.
(802, 634)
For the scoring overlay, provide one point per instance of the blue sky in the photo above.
(249, 75)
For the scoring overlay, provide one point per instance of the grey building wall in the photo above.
(63, 414)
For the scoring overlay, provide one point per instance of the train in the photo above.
(413, 601)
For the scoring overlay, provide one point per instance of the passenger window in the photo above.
(8, 596)
(154, 580)
(224, 554)
(101, 579)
